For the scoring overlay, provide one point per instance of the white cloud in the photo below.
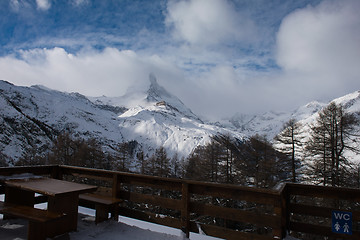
(80, 2)
(43, 4)
(317, 48)
(208, 22)
(109, 72)
(16, 5)
(320, 47)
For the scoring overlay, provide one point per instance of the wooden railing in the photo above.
(220, 210)
(309, 210)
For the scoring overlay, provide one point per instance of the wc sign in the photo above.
(341, 222)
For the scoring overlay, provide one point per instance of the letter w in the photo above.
(338, 215)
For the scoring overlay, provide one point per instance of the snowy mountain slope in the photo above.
(155, 94)
(268, 124)
(158, 118)
(32, 117)
(351, 104)
(18, 131)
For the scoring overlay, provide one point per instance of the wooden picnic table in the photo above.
(63, 198)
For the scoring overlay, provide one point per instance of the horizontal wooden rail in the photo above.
(183, 198)
(351, 194)
(272, 221)
(261, 196)
(320, 231)
(36, 170)
(318, 211)
(151, 217)
(310, 210)
(87, 172)
(151, 199)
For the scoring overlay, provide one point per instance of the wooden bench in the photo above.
(102, 204)
(41, 222)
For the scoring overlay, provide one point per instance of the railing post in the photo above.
(56, 172)
(281, 211)
(185, 211)
(115, 194)
(115, 186)
(285, 198)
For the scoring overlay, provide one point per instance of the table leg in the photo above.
(68, 204)
(36, 231)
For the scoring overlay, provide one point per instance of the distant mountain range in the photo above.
(31, 117)
(268, 124)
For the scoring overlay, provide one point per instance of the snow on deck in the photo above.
(127, 228)
(124, 229)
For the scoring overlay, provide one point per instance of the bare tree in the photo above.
(204, 163)
(63, 149)
(257, 162)
(229, 150)
(289, 141)
(330, 136)
(160, 163)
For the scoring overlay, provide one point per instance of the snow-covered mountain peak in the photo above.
(157, 93)
(307, 110)
(161, 119)
(351, 101)
(313, 104)
(270, 123)
(155, 98)
(42, 87)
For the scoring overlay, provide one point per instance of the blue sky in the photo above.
(218, 56)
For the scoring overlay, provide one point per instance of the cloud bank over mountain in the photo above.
(219, 57)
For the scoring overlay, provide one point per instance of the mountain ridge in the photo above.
(158, 119)
(32, 116)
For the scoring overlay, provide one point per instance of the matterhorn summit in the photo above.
(156, 93)
(164, 120)
(159, 96)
